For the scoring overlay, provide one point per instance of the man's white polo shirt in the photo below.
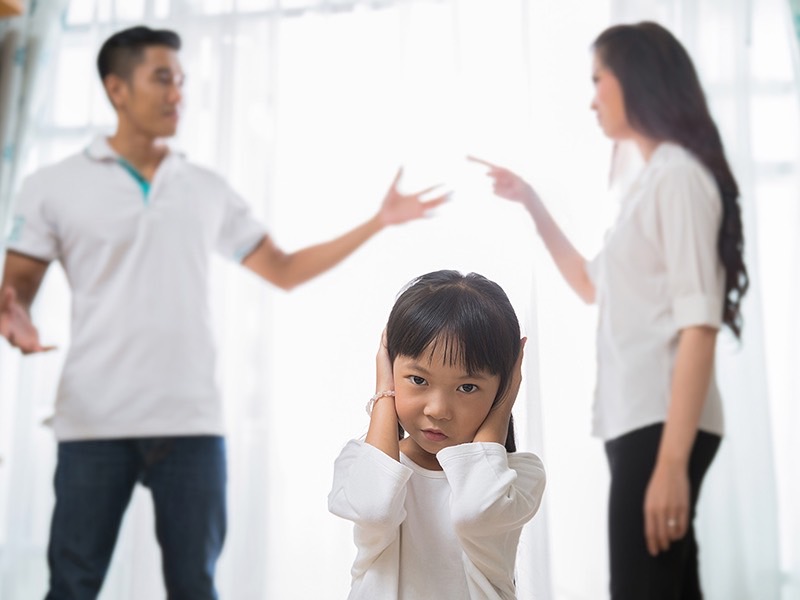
(142, 356)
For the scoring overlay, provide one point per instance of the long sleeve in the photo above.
(493, 495)
(369, 489)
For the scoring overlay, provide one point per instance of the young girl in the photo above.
(438, 512)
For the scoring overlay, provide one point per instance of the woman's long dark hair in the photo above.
(664, 101)
(469, 315)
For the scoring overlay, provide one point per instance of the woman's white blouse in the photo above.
(658, 272)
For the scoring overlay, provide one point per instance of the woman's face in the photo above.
(608, 102)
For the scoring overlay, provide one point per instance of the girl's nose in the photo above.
(437, 407)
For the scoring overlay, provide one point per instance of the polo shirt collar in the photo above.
(99, 149)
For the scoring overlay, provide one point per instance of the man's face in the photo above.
(148, 102)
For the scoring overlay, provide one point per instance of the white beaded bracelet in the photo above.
(371, 402)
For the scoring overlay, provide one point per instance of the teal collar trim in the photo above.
(143, 183)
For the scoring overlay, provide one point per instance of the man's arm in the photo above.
(22, 277)
(290, 270)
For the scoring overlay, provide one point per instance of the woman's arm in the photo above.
(569, 261)
(667, 496)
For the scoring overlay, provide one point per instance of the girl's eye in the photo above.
(417, 380)
(468, 388)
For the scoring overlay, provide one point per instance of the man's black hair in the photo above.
(123, 50)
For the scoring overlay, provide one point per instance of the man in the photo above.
(133, 225)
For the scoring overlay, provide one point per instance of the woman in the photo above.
(670, 274)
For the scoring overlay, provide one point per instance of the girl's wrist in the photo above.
(378, 395)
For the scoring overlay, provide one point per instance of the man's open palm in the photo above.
(398, 208)
(16, 325)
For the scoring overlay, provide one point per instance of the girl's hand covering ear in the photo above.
(384, 378)
(506, 403)
(495, 426)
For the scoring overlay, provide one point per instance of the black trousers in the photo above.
(635, 574)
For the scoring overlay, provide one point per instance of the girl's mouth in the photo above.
(434, 435)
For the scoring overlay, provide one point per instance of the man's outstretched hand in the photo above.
(399, 208)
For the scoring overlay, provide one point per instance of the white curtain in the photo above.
(24, 58)
(25, 62)
(748, 516)
(308, 108)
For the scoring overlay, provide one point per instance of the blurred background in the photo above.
(308, 107)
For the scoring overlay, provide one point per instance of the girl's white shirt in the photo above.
(436, 534)
(658, 272)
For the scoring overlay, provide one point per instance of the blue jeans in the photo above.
(94, 481)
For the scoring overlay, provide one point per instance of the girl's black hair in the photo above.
(469, 314)
(664, 101)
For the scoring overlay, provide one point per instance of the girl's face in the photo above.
(439, 405)
(608, 102)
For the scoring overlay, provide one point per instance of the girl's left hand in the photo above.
(495, 426)
(506, 403)
(666, 507)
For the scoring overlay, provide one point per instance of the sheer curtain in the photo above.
(25, 44)
(748, 517)
(309, 107)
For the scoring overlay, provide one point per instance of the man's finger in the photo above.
(8, 297)
(397, 177)
(428, 189)
(434, 202)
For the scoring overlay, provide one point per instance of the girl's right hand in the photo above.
(383, 432)
(508, 184)
(384, 377)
